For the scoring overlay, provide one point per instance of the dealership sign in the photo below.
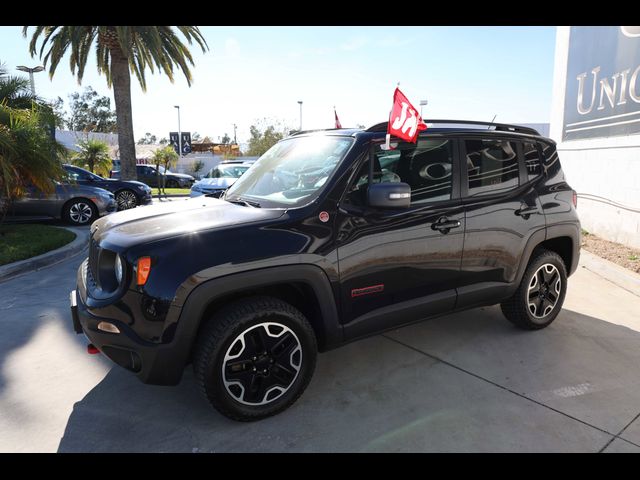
(603, 83)
(186, 142)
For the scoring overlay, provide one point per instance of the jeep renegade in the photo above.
(329, 237)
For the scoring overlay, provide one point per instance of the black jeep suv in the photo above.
(329, 237)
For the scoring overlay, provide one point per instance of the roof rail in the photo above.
(314, 130)
(382, 127)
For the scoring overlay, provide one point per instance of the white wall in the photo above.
(604, 171)
(70, 138)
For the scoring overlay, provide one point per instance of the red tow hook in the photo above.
(92, 349)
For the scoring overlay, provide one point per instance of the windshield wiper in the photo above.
(245, 203)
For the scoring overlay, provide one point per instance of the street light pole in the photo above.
(31, 71)
(300, 103)
(179, 132)
(422, 104)
(235, 141)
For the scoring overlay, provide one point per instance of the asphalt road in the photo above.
(466, 382)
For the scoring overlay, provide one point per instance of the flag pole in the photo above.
(387, 145)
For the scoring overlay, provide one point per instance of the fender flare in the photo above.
(202, 296)
(570, 230)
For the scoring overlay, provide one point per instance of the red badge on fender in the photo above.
(324, 217)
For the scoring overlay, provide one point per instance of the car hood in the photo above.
(77, 189)
(222, 182)
(179, 175)
(117, 180)
(155, 222)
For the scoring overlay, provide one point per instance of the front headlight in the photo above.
(118, 269)
(142, 187)
(196, 188)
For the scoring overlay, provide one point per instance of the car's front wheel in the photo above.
(126, 199)
(255, 357)
(541, 293)
(80, 212)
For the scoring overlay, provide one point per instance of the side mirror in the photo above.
(389, 195)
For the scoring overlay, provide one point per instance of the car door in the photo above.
(502, 212)
(35, 202)
(147, 175)
(399, 265)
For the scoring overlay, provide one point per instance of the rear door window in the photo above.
(492, 166)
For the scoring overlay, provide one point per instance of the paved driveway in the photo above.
(466, 382)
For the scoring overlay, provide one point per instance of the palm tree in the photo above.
(120, 50)
(28, 154)
(15, 92)
(94, 155)
(167, 158)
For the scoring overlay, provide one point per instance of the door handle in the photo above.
(526, 211)
(444, 224)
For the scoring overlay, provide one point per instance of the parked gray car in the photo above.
(76, 204)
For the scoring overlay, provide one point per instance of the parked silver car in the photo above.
(219, 178)
(76, 204)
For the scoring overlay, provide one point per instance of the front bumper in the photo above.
(153, 363)
(106, 206)
(146, 198)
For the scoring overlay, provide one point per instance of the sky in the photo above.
(250, 73)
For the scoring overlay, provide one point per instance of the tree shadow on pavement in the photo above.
(485, 390)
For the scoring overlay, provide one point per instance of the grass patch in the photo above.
(584, 232)
(173, 191)
(633, 257)
(18, 242)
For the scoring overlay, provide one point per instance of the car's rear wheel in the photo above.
(80, 211)
(126, 199)
(540, 296)
(255, 357)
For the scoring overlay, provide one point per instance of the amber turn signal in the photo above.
(143, 269)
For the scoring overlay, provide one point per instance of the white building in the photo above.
(595, 119)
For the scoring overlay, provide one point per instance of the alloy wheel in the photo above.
(544, 290)
(262, 363)
(80, 212)
(126, 200)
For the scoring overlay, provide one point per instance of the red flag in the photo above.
(404, 122)
(337, 120)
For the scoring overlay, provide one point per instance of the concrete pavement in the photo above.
(465, 382)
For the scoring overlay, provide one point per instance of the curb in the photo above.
(616, 274)
(15, 269)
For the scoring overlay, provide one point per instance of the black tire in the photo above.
(528, 308)
(238, 331)
(172, 184)
(79, 211)
(126, 199)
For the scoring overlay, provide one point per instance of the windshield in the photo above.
(292, 172)
(227, 171)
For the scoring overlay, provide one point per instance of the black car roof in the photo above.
(440, 126)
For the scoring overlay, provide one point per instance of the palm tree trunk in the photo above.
(122, 94)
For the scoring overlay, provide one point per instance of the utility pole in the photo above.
(235, 141)
(300, 103)
(422, 104)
